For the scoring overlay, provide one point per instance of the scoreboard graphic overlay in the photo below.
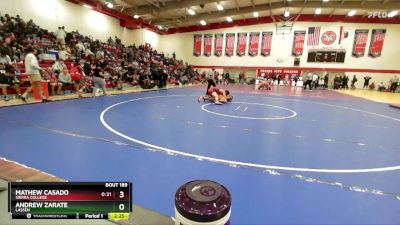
(70, 200)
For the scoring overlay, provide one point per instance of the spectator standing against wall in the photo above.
(243, 77)
(278, 78)
(366, 81)
(326, 80)
(353, 82)
(394, 83)
(295, 79)
(308, 81)
(226, 77)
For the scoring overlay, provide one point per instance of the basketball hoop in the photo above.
(283, 27)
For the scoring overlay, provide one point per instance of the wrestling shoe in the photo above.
(45, 100)
(23, 99)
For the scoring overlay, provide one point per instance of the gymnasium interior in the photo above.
(211, 112)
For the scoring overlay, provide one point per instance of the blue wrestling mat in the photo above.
(286, 160)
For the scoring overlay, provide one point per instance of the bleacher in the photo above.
(49, 48)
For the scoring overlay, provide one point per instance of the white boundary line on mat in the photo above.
(203, 107)
(237, 163)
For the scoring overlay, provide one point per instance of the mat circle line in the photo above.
(203, 107)
(231, 162)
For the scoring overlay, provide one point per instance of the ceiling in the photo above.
(173, 13)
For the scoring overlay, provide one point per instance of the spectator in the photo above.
(98, 80)
(353, 86)
(8, 79)
(88, 52)
(80, 48)
(33, 69)
(243, 76)
(58, 66)
(99, 55)
(52, 77)
(65, 78)
(326, 80)
(219, 78)
(308, 81)
(381, 87)
(394, 83)
(64, 54)
(366, 81)
(226, 77)
(372, 86)
(345, 81)
(78, 77)
(295, 79)
(61, 34)
(116, 79)
(278, 77)
(4, 58)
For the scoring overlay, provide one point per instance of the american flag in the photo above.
(313, 36)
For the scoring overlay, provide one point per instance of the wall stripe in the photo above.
(301, 68)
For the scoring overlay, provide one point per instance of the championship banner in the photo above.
(241, 44)
(197, 44)
(218, 41)
(376, 45)
(207, 44)
(298, 43)
(254, 43)
(266, 42)
(360, 42)
(229, 44)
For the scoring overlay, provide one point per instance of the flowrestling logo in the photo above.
(382, 15)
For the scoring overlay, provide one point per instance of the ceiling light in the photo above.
(87, 6)
(287, 13)
(203, 22)
(229, 19)
(220, 7)
(318, 11)
(255, 14)
(136, 16)
(110, 5)
(325, 0)
(393, 13)
(191, 12)
(352, 12)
